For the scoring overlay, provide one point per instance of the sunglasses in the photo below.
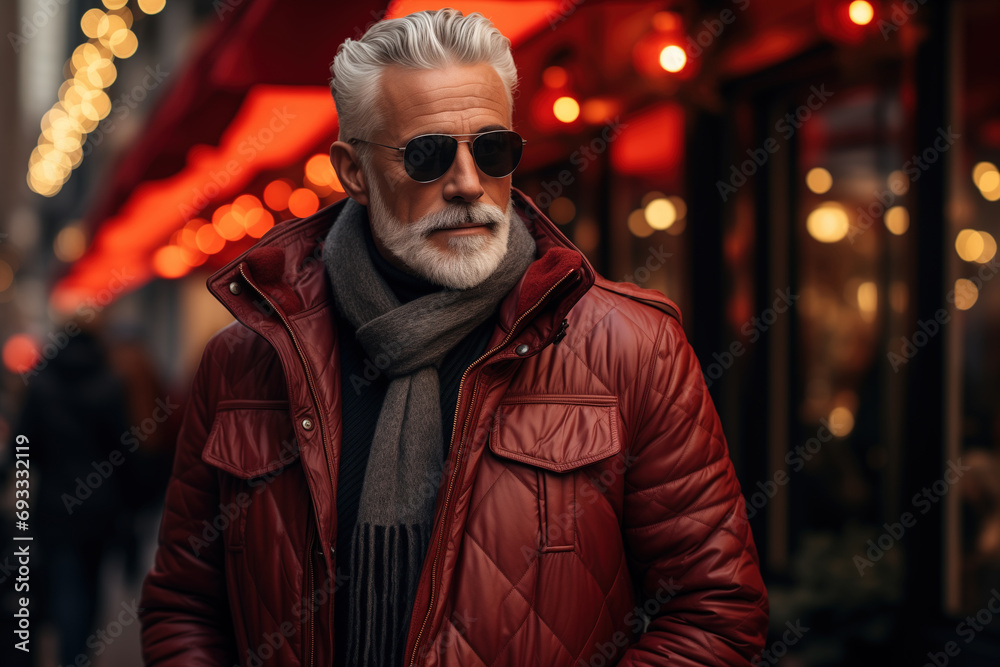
(429, 156)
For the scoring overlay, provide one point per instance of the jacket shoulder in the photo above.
(243, 365)
(616, 328)
(640, 295)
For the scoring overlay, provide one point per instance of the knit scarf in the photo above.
(396, 509)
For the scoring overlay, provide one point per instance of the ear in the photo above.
(345, 162)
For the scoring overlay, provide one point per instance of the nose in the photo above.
(461, 181)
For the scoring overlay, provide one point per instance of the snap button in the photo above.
(235, 288)
(521, 350)
(307, 424)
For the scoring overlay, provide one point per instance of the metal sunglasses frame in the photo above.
(471, 142)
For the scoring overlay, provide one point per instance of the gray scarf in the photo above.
(396, 513)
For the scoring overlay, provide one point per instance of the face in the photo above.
(452, 231)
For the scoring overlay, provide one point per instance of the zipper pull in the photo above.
(562, 331)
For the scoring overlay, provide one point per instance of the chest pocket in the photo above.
(557, 436)
(253, 443)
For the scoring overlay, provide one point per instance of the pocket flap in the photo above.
(554, 432)
(251, 438)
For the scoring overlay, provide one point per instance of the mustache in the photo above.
(456, 215)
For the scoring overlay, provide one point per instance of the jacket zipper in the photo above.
(312, 596)
(458, 455)
(322, 428)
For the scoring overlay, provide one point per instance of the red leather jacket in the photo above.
(588, 484)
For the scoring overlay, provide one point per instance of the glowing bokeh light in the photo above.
(819, 180)
(319, 170)
(868, 299)
(673, 58)
(660, 213)
(152, 6)
(20, 353)
(555, 77)
(861, 12)
(562, 210)
(637, 223)
(168, 262)
(69, 244)
(257, 222)
(566, 109)
(966, 294)
(208, 240)
(969, 245)
(303, 202)
(841, 421)
(981, 168)
(276, 194)
(897, 220)
(828, 222)
(989, 248)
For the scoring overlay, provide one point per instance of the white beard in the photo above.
(468, 261)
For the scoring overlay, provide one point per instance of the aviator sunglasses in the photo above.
(429, 156)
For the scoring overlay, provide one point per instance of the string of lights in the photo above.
(83, 102)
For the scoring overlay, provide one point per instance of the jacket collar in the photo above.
(286, 267)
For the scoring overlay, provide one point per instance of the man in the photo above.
(435, 435)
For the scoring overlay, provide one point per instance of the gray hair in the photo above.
(423, 40)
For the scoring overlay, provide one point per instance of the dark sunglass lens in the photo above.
(498, 153)
(429, 157)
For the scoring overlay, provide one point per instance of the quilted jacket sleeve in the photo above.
(685, 525)
(185, 614)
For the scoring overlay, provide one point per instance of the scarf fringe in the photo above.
(385, 564)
